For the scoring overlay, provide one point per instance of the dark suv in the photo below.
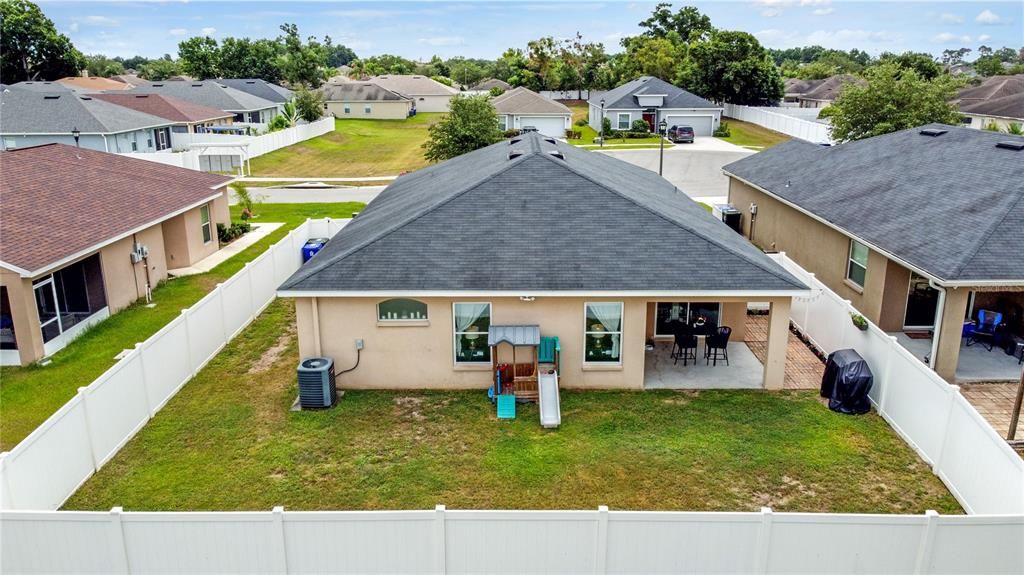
(677, 134)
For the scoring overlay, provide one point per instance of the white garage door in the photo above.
(702, 125)
(553, 126)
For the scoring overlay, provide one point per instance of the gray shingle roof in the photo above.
(260, 88)
(39, 86)
(492, 83)
(524, 101)
(209, 93)
(951, 205)
(1011, 106)
(624, 97)
(31, 112)
(830, 88)
(359, 92)
(582, 222)
(413, 85)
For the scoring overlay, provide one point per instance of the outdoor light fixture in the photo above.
(601, 120)
(75, 133)
(661, 153)
(526, 298)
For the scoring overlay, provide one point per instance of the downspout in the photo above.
(106, 146)
(939, 308)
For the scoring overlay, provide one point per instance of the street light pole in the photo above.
(661, 153)
(601, 120)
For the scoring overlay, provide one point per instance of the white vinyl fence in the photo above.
(441, 541)
(48, 466)
(781, 121)
(572, 94)
(975, 463)
(190, 147)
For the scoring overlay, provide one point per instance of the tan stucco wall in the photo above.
(183, 234)
(421, 356)
(432, 103)
(24, 315)
(379, 110)
(124, 281)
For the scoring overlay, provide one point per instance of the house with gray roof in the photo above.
(259, 87)
(653, 100)
(32, 117)
(524, 109)
(606, 256)
(821, 93)
(920, 229)
(247, 108)
(427, 94)
(998, 101)
(364, 100)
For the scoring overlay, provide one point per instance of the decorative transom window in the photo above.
(401, 310)
(471, 323)
(602, 332)
(857, 267)
(623, 121)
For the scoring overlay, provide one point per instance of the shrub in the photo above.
(860, 321)
(245, 199)
(606, 127)
(496, 91)
(580, 122)
(1015, 128)
(640, 126)
(722, 131)
(634, 135)
(573, 134)
(511, 133)
(228, 234)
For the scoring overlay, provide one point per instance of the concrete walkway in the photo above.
(332, 194)
(258, 232)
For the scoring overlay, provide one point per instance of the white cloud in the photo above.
(92, 21)
(950, 18)
(441, 41)
(822, 11)
(210, 31)
(775, 38)
(951, 38)
(771, 12)
(984, 38)
(178, 32)
(988, 17)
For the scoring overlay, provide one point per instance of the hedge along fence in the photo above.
(441, 541)
(48, 466)
(975, 463)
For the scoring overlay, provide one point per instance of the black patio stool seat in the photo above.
(717, 346)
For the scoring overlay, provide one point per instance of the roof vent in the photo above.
(514, 141)
(556, 154)
(513, 154)
(51, 97)
(87, 98)
(1018, 145)
(158, 85)
(549, 139)
(933, 132)
(141, 95)
(197, 85)
(250, 81)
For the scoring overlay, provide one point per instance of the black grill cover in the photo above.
(846, 382)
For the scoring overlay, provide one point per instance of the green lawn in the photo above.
(355, 148)
(29, 395)
(228, 441)
(752, 136)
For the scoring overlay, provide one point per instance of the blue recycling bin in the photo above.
(311, 247)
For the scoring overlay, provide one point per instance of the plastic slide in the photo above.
(548, 401)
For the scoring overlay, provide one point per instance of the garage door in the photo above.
(701, 124)
(553, 126)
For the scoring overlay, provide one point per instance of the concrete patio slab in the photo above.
(977, 364)
(258, 232)
(743, 372)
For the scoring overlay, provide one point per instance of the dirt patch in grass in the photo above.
(273, 353)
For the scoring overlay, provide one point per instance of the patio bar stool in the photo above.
(685, 348)
(717, 346)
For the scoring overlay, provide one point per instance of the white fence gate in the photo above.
(784, 121)
(48, 466)
(975, 463)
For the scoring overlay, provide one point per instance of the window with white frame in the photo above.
(348, 109)
(204, 222)
(367, 108)
(400, 309)
(503, 123)
(602, 332)
(857, 267)
(623, 121)
(472, 320)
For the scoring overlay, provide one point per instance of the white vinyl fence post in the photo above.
(807, 308)
(188, 345)
(88, 430)
(145, 384)
(253, 304)
(118, 545)
(764, 540)
(601, 549)
(440, 539)
(924, 550)
(6, 498)
(883, 399)
(280, 551)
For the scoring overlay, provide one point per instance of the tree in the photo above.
(541, 55)
(924, 64)
(133, 63)
(989, 66)
(816, 71)
(309, 104)
(649, 56)
(465, 71)
(245, 58)
(159, 69)
(688, 23)
(338, 55)
(200, 57)
(732, 67)
(301, 64)
(31, 48)
(512, 68)
(100, 66)
(471, 124)
(579, 62)
(894, 99)
(951, 57)
(1005, 54)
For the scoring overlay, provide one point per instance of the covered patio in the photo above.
(976, 362)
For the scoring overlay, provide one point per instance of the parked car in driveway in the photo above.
(679, 134)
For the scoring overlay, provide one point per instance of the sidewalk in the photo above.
(258, 232)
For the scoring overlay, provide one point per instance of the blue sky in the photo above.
(484, 29)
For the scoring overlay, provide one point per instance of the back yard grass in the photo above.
(29, 395)
(228, 441)
(752, 136)
(355, 148)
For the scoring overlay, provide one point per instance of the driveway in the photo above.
(316, 195)
(694, 168)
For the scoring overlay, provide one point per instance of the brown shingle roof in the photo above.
(830, 88)
(60, 201)
(166, 107)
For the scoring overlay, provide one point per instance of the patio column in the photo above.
(25, 317)
(947, 356)
(778, 340)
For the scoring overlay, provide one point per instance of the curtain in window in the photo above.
(466, 314)
(610, 316)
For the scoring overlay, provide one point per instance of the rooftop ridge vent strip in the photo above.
(933, 132)
(1016, 146)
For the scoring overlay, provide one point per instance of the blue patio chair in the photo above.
(986, 330)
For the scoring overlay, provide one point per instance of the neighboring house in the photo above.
(490, 84)
(962, 69)
(89, 84)
(132, 80)
(31, 118)
(362, 100)
(246, 108)
(795, 88)
(822, 93)
(261, 88)
(522, 108)
(531, 232)
(188, 118)
(652, 99)
(428, 95)
(33, 86)
(998, 100)
(87, 233)
(919, 229)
